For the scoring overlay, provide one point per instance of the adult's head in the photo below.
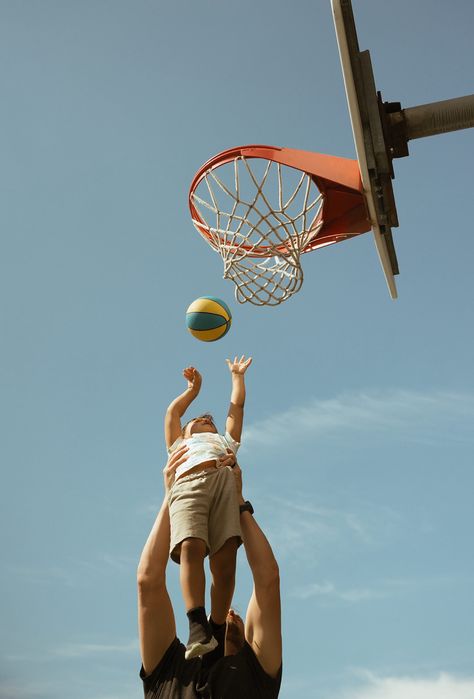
(234, 634)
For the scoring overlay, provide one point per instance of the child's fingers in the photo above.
(242, 362)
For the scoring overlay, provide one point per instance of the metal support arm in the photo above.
(427, 120)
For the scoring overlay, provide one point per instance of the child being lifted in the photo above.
(203, 506)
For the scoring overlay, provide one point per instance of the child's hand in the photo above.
(193, 377)
(239, 366)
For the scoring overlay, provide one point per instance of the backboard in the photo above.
(369, 131)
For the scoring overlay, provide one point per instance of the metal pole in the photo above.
(435, 118)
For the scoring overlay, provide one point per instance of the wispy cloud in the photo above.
(76, 651)
(83, 688)
(118, 562)
(81, 650)
(380, 590)
(45, 575)
(443, 686)
(328, 590)
(75, 573)
(299, 529)
(421, 417)
(26, 689)
(121, 693)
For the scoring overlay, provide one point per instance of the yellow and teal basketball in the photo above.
(208, 318)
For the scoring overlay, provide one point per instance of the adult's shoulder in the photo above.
(249, 654)
(241, 675)
(174, 676)
(172, 655)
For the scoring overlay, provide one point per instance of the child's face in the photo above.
(204, 423)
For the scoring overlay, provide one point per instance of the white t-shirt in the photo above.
(203, 446)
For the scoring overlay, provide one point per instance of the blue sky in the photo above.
(358, 448)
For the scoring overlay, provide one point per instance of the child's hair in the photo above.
(208, 415)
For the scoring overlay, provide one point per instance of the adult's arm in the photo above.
(156, 623)
(263, 619)
(180, 404)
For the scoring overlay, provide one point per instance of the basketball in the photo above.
(208, 318)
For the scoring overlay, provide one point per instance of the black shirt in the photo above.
(231, 677)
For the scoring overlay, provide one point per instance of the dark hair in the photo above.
(208, 415)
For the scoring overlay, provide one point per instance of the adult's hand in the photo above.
(237, 471)
(227, 459)
(177, 458)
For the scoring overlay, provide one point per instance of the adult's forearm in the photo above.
(259, 553)
(154, 557)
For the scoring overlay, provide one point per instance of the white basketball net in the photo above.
(260, 219)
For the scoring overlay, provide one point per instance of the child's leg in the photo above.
(222, 565)
(193, 586)
(191, 572)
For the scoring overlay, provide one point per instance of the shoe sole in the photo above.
(200, 649)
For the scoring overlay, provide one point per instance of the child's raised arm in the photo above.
(235, 416)
(178, 407)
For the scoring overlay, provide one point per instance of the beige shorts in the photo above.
(204, 506)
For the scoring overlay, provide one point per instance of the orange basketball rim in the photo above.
(262, 207)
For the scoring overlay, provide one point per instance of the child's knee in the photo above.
(223, 563)
(223, 577)
(192, 549)
(229, 550)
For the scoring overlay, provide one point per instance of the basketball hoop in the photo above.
(262, 207)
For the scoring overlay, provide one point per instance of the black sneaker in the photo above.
(201, 640)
